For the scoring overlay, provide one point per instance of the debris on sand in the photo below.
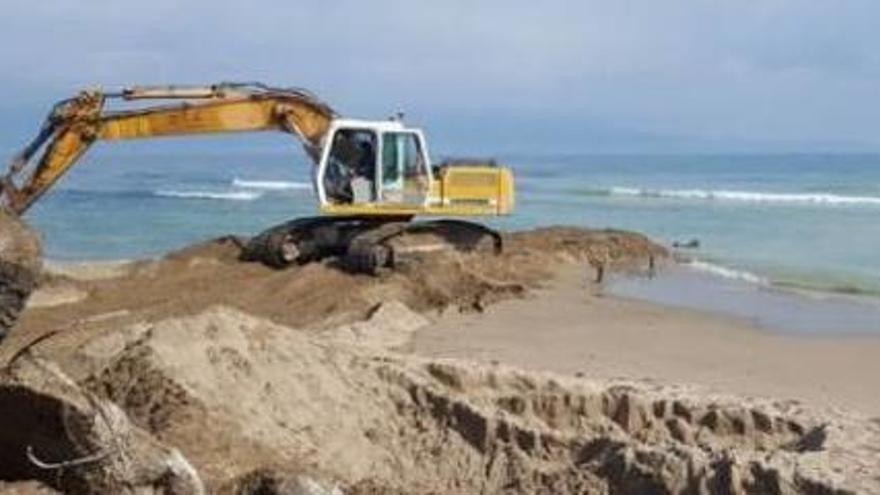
(240, 394)
(57, 436)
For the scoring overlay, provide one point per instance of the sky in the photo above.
(549, 76)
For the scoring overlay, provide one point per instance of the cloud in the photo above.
(790, 71)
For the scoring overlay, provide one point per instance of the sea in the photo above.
(801, 221)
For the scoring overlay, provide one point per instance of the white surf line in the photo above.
(230, 195)
(725, 272)
(275, 185)
(747, 196)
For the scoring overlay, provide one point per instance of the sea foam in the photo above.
(748, 196)
(227, 195)
(275, 185)
(726, 272)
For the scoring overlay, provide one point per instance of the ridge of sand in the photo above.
(203, 275)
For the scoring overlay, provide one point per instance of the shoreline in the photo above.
(563, 328)
(769, 307)
(720, 269)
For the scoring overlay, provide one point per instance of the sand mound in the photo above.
(239, 395)
(320, 295)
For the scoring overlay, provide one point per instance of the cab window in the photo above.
(404, 175)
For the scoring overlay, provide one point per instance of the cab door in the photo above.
(348, 173)
(403, 170)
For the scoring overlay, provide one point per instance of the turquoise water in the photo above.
(804, 220)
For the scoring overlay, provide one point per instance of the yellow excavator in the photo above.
(371, 177)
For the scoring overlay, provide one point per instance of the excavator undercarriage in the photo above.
(366, 244)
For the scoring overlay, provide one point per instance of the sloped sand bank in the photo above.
(239, 394)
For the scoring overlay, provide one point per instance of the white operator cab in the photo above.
(371, 163)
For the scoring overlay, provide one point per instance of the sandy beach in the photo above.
(464, 248)
(574, 327)
(567, 328)
(461, 373)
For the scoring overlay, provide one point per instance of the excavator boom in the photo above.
(74, 124)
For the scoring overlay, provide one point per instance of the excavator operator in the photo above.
(364, 181)
(352, 168)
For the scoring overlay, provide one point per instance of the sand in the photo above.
(319, 294)
(19, 244)
(566, 329)
(237, 393)
(88, 270)
(461, 373)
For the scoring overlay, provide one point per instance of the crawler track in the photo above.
(362, 244)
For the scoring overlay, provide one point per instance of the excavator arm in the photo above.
(384, 165)
(75, 124)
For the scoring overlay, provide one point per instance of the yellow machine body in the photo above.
(459, 191)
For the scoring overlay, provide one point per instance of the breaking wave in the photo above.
(229, 195)
(747, 196)
(725, 272)
(241, 190)
(274, 185)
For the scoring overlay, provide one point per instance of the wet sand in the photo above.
(767, 306)
(564, 328)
